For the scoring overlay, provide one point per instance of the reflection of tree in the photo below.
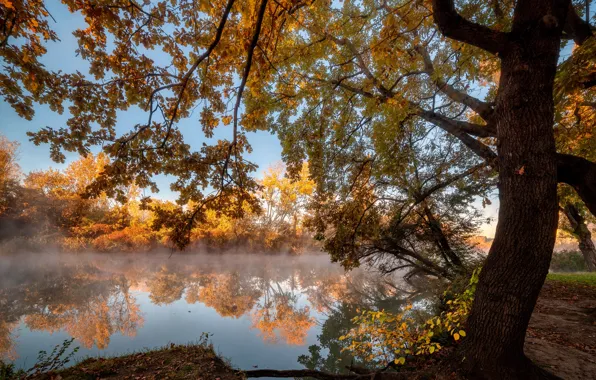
(341, 300)
(229, 294)
(93, 302)
(92, 322)
(166, 287)
(7, 349)
(338, 323)
(279, 316)
(88, 304)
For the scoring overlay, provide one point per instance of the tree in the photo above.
(284, 200)
(339, 84)
(58, 200)
(574, 125)
(10, 173)
(418, 221)
(575, 224)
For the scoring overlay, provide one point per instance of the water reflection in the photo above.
(96, 297)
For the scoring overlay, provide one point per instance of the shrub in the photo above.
(397, 337)
(8, 372)
(129, 239)
(568, 261)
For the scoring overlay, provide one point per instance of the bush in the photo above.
(129, 239)
(8, 372)
(399, 337)
(567, 261)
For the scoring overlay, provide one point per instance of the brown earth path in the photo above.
(562, 332)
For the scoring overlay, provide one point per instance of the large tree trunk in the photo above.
(520, 255)
(583, 235)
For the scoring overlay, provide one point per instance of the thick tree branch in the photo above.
(454, 26)
(580, 174)
(327, 375)
(576, 27)
(246, 73)
(477, 130)
(421, 196)
(483, 109)
(251, 49)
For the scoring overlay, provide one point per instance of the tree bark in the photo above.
(520, 255)
(583, 235)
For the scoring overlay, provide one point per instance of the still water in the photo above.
(277, 312)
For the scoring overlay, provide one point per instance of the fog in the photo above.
(17, 268)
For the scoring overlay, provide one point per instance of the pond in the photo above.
(262, 311)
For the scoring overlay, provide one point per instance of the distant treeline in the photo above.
(49, 208)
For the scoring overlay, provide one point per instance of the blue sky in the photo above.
(61, 56)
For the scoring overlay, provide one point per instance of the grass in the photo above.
(581, 278)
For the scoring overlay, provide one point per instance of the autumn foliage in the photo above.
(54, 206)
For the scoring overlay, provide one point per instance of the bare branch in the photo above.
(483, 109)
(363, 66)
(421, 196)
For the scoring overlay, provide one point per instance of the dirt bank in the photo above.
(562, 332)
(197, 362)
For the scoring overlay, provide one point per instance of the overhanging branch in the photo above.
(580, 174)
(483, 109)
(452, 127)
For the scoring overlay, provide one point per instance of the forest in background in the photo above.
(50, 208)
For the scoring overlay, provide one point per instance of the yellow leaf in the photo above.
(432, 349)
(7, 4)
(462, 333)
(456, 336)
(226, 120)
(401, 360)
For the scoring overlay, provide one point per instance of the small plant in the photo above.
(205, 339)
(56, 359)
(8, 372)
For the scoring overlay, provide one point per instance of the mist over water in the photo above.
(263, 310)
